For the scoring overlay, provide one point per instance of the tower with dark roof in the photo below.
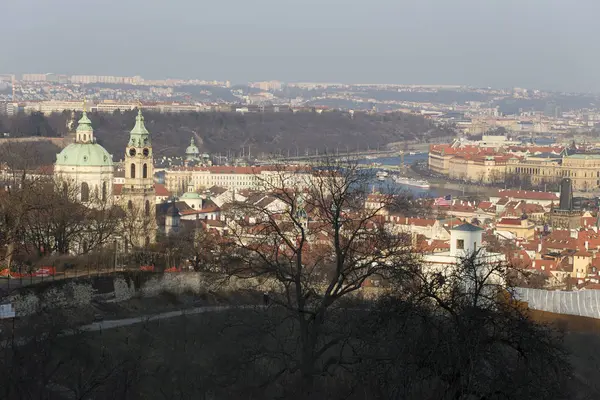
(565, 217)
(566, 195)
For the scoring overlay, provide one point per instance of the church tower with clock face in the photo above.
(138, 195)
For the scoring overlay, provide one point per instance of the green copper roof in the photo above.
(192, 149)
(191, 195)
(84, 124)
(139, 135)
(84, 154)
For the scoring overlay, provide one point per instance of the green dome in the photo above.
(84, 154)
(192, 150)
(191, 195)
(84, 124)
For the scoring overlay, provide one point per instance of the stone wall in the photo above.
(122, 287)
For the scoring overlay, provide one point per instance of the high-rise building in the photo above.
(34, 77)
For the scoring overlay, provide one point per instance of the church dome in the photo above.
(83, 155)
(192, 150)
(85, 152)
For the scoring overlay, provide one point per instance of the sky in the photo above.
(545, 44)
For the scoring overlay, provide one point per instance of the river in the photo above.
(389, 183)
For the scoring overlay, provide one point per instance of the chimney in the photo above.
(539, 249)
(587, 245)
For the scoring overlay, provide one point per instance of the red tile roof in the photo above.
(527, 195)
(412, 221)
(161, 190)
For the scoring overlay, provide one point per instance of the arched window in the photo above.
(147, 241)
(147, 208)
(145, 171)
(129, 205)
(85, 138)
(104, 191)
(133, 170)
(85, 192)
(65, 189)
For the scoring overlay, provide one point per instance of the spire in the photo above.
(139, 135)
(85, 132)
(192, 143)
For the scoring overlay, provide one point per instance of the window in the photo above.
(129, 205)
(147, 208)
(132, 170)
(147, 241)
(85, 192)
(103, 191)
(460, 244)
(145, 171)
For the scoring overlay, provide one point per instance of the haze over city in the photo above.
(546, 44)
(337, 200)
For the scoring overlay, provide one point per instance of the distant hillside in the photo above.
(28, 154)
(222, 132)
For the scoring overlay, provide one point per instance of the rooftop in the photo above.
(467, 228)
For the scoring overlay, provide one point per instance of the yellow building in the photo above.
(488, 165)
(520, 227)
(583, 169)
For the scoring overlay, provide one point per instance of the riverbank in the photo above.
(454, 188)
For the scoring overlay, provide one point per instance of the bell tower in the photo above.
(138, 193)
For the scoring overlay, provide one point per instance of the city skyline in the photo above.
(462, 43)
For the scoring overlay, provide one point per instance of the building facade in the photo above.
(541, 166)
(582, 169)
(179, 179)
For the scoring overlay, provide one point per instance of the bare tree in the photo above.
(458, 333)
(60, 223)
(314, 239)
(22, 183)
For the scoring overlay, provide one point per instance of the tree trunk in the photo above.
(10, 249)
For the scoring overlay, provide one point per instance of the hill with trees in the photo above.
(217, 132)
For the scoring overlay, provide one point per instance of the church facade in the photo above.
(86, 169)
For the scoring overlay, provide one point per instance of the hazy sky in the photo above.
(550, 44)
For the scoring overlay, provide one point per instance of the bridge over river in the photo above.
(344, 156)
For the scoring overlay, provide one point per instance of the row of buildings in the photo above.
(109, 106)
(483, 162)
(549, 240)
(115, 80)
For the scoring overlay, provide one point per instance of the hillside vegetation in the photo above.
(221, 132)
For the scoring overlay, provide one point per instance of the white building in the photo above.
(179, 179)
(465, 240)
